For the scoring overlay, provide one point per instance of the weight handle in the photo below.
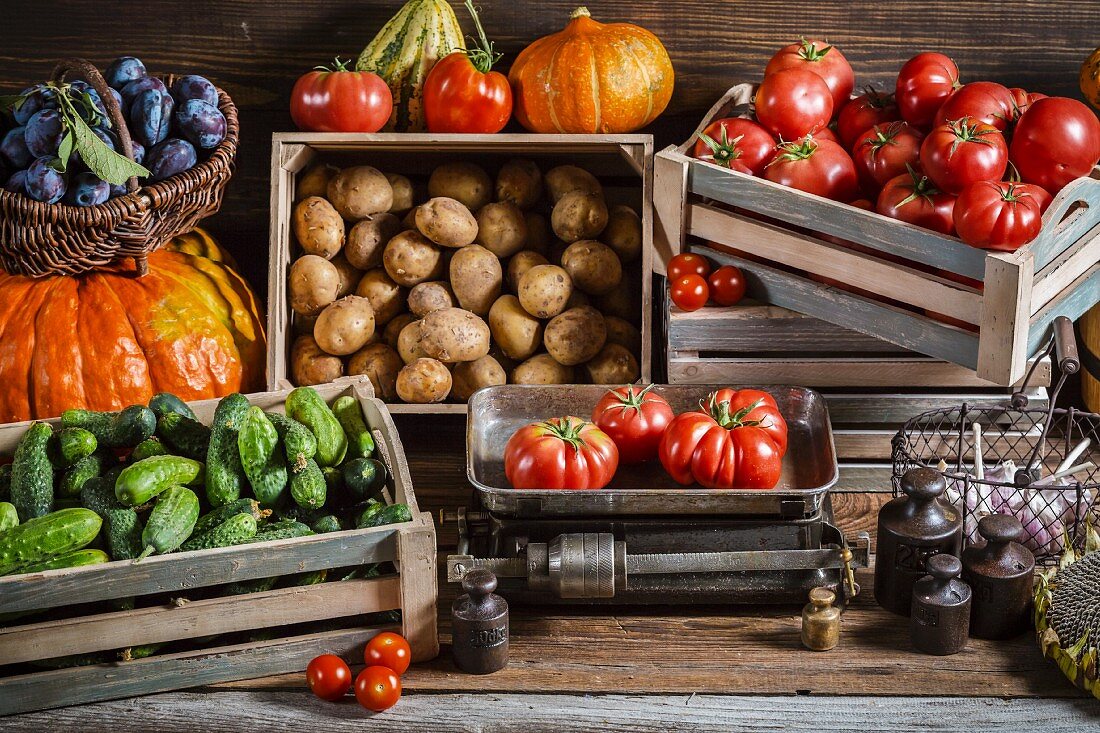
(1065, 346)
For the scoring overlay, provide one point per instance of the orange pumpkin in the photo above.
(106, 340)
(591, 78)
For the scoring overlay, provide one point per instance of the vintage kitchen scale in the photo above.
(645, 538)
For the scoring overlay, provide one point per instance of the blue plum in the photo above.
(169, 158)
(87, 189)
(36, 99)
(44, 183)
(137, 86)
(118, 189)
(124, 70)
(139, 151)
(193, 86)
(17, 183)
(151, 116)
(43, 133)
(201, 123)
(13, 148)
(118, 98)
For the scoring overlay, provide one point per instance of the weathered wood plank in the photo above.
(870, 372)
(894, 409)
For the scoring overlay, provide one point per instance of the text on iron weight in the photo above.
(914, 557)
(488, 638)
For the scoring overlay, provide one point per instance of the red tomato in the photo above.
(735, 143)
(738, 442)
(912, 198)
(377, 688)
(885, 152)
(688, 263)
(388, 650)
(1000, 215)
(689, 293)
(823, 134)
(864, 204)
(816, 166)
(727, 285)
(635, 419)
(962, 152)
(864, 112)
(988, 101)
(329, 677)
(1056, 140)
(340, 101)
(923, 84)
(824, 60)
(793, 102)
(560, 453)
(1022, 99)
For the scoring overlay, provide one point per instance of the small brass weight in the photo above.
(820, 621)
(479, 625)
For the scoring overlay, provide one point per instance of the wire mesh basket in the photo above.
(1037, 464)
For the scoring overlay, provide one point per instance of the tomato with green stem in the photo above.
(1000, 215)
(560, 453)
(377, 688)
(822, 59)
(815, 166)
(329, 677)
(340, 100)
(914, 199)
(864, 112)
(635, 419)
(689, 293)
(962, 152)
(388, 650)
(884, 152)
(735, 143)
(987, 101)
(923, 84)
(462, 92)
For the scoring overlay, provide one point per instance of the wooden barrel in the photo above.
(1088, 344)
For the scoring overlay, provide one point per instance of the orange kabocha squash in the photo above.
(106, 340)
(592, 78)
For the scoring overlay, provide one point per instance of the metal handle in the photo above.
(1065, 346)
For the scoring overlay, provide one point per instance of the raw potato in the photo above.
(538, 232)
(410, 259)
(380, 364)
(466, 182)
(423, 382)
(514, 330)
(566, 178)
(476, 277)
(575, 336)
(410, 343)
(310, 365)
(593, 266)
(624, 333)
(453, 334)
(314, 182)
(544, 290)
(520, 263)
(360, 191)
(579, 215)
(409, 220)
(447, 222)
(394, 328)
(470, 376)
(345, 326)
(318, 228)
(431, 296)
(386, 297)
(314, 283)
(623, 233)
(519, 182)
(625, 301)
(368, 238)
(349, 275)
(501, 228)
(613, 365)
(403, 194)
(542, 369)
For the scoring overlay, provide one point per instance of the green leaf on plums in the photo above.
(100, 159)
(65, 149)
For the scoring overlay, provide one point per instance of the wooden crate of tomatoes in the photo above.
(953, 220)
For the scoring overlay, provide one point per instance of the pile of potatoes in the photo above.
(528, 279)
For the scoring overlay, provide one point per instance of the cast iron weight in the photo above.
(940, 621)
(479, 625)
(1000, 574)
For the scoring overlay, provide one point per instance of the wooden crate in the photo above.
(781, 237)
(410, 546)
(623, 161)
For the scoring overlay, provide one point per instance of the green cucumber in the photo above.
(8, 516)
(98, 493)
(123, 429)
(306, 406)
(76, 559)
(263, 464)
(32, 473)
(283, 530)
(308, 487)
(350, 415)
(170, 523)
(42, 538)
(364, 477)
(213, 518)
(123, 529)
(325, 524)
(186, 436)
(225, 476)
(299, 444)
(131, 653)
(69, 445)
(164, 403)
(366, 514)
(238, 529)
(73, 480)
(145, 480)
(5, 482)
(392, 514)
(147, 449)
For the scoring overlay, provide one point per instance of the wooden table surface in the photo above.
(645, 669)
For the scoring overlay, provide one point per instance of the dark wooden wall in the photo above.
(256, 49)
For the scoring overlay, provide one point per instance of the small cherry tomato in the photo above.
(727, 285)
(735, 143)
(962, 152)
(388, 650)
(377, 688)
(690, 292)
(329, 677)
(688, 263)
(1000, 215)
(635, 419)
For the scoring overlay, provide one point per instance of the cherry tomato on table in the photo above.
(635, 418)
(1056, 140)
(864, 112)
(329, 677)
(986, 101)
(735, 143)
(689, 293)
(822, 59)
(884, 152)
(1000, 215)
(913, 198)
(377, 688)
(463, 94)
(727, 285)
(816, 166)
(688, 263)
(793, 102)
(339, 100)
(560, 453)
(962, 152)
(388, 650)
(923, 84)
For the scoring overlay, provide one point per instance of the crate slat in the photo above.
(895, 408)
(1076, 300)
(1061, 273)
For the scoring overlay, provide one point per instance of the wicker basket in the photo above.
(38, 239)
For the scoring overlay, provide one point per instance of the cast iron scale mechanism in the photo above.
(644, 538)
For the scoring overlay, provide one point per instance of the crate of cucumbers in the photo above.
(177, 544)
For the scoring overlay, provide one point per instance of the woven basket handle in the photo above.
(91, 74)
